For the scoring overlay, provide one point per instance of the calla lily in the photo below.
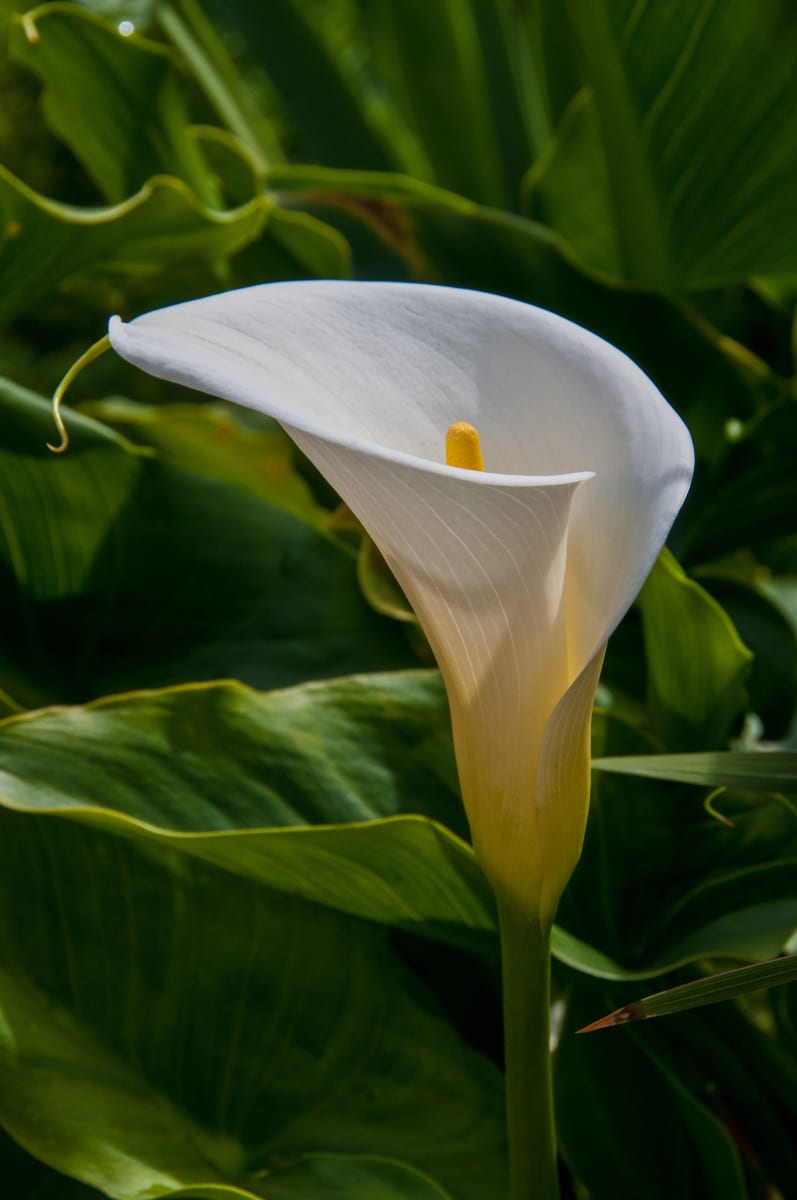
(518, 573)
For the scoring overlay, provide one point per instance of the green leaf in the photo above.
(694, 105)
(712, 989)
(121, 570)
(726, 891)
(753, 1072)
(209, 440)
(504, 62)
(114, 100)
(333, 792)
(653, 1135)
(429, 55)
(567, 189)
(283, 772)
(335, 1177)
(543, 60)
(379, 585)
(203, 52)
(48, 245)
(336, 119)
(772, 638)
(25, 1176)
(768, 771)
(295, 246)
(696, 661)
(752, 507)
(169, 1025)
(235, 166)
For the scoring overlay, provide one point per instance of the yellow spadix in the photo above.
(463, 448)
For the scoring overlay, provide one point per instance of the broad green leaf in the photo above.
(694, 104)
(766, 629)
(209, 440)
(744, 932)
(767, 771)
(236, 168)
(651, 1136)
(333, 792)
(751, 1095)
(337, 118)
(8, 707)
(753, 1074)
(696, 661)
(741, 915)
(718, 1156)
(204, 53)
(726, 985)
(329, 1177)
(543, 59)
(752, 507)
(121, 570)
(114, 100)
(295, 246)
(729, 890)
(283, 771)
(503, 66)
(339, 1177)
(168, 1025)
(567, 189)
(24, 1176)
(429, 55)
(50, 245)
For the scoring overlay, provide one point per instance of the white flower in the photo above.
(518, 574)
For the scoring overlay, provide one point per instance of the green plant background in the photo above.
(245, 947)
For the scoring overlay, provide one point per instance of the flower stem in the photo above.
(526, 968)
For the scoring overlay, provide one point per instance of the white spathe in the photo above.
(518, 574)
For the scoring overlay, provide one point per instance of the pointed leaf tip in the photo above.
(620, 1016)
(711, 989)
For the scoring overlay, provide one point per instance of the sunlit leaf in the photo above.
(139, 128)
(48, 244)
(692, 107)
(567, 189)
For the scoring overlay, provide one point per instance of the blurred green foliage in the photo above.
(246, 950)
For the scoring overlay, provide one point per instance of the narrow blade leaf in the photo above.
(753, 770)
(711, 990)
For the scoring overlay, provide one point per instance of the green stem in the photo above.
(526, 968)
